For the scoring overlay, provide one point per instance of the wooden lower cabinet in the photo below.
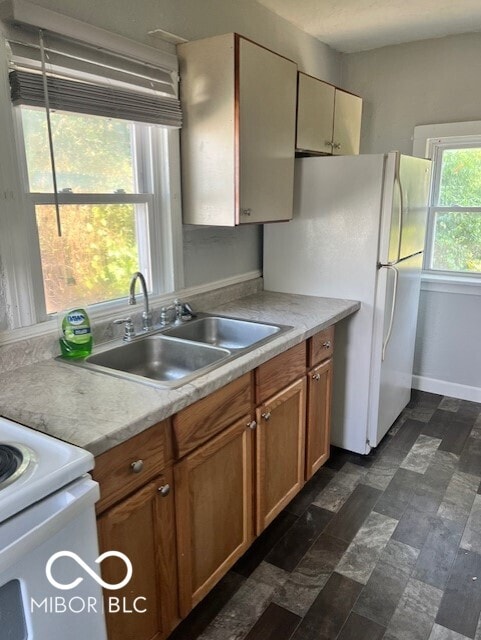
(214, 510)
(233, 477)
(318, 427)
(143, 528)
(279, 451)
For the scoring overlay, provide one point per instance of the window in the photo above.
(107, 203)
(454, 240)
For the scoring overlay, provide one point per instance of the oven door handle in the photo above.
(22, 533)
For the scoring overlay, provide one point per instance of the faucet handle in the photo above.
(129, 331)
(164, 314)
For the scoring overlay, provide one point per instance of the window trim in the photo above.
(19, 254)
(428, 141)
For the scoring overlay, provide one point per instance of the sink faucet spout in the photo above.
(146, 315)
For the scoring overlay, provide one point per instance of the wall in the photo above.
(428, 82)
(205, 250)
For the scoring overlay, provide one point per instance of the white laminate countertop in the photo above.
(98, 411)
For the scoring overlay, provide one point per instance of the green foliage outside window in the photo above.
(98, 251)
(457, 233)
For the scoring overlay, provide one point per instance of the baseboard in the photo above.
(446, 388)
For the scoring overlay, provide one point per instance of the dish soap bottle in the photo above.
(75, 334)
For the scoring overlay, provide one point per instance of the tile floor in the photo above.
(381, 546)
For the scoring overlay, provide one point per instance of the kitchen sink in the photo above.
(158, 358)
(227, 333)
(170, 357)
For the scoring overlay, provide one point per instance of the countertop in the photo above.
(97, 411)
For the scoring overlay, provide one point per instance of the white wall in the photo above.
(428, 82)
(205, 251)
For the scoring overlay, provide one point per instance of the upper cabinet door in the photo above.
(267, 122)
(238, 138)
(315, 115)
(347, 124)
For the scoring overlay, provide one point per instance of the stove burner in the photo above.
(14, 460)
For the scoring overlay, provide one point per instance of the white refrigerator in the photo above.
(358, 232)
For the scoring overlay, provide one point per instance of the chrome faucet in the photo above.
(146, 315)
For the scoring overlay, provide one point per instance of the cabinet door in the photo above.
(213, 510)
(267, 125)
(143, 528)
(347, 124)
(280, 451)
(315, 115)
(318, 431)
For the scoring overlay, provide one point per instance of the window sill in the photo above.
(445, 283)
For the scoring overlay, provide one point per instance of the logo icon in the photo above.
(87, 569)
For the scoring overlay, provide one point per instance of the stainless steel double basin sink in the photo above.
(173, 356)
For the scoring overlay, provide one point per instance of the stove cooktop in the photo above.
(33, 465)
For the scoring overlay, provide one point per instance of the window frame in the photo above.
(437, 149)
(425, 140)
(19, 246)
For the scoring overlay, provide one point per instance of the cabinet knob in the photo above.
(252, 425)
(336, 145)
(316, 376)
(246, 212)
(137, 466)
(266, 415)
(327, 344)
(329, 143)
(164, 490)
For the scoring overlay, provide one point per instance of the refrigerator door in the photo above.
(395, 320)
(414, 177)
(404, 207)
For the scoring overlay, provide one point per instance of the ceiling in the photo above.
(358, 25)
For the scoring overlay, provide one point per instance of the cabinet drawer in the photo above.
(150, 451)
(280, 371)
(194, 425)
(321, 346)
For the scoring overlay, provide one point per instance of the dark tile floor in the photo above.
(381, 546)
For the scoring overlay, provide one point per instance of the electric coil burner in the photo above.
(14, 461)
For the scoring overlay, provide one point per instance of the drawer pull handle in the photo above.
(327, 344)
(252, 425)
(266, 415)
(137, 466)
(316, 376)
(164, 490)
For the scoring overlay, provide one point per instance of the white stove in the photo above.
(47, 536)
(47, 464)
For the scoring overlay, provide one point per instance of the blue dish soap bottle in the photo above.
(75, 334)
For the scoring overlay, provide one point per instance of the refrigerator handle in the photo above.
(393, 308)
(397, 181)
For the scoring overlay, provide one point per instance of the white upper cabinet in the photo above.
(328, 118)
(347, 124)
(238, 139)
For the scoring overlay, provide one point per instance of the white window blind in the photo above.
(86, 79)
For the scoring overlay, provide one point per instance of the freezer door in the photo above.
(414, 177)
(393, 349)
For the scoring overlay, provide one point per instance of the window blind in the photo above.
(85, 79)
